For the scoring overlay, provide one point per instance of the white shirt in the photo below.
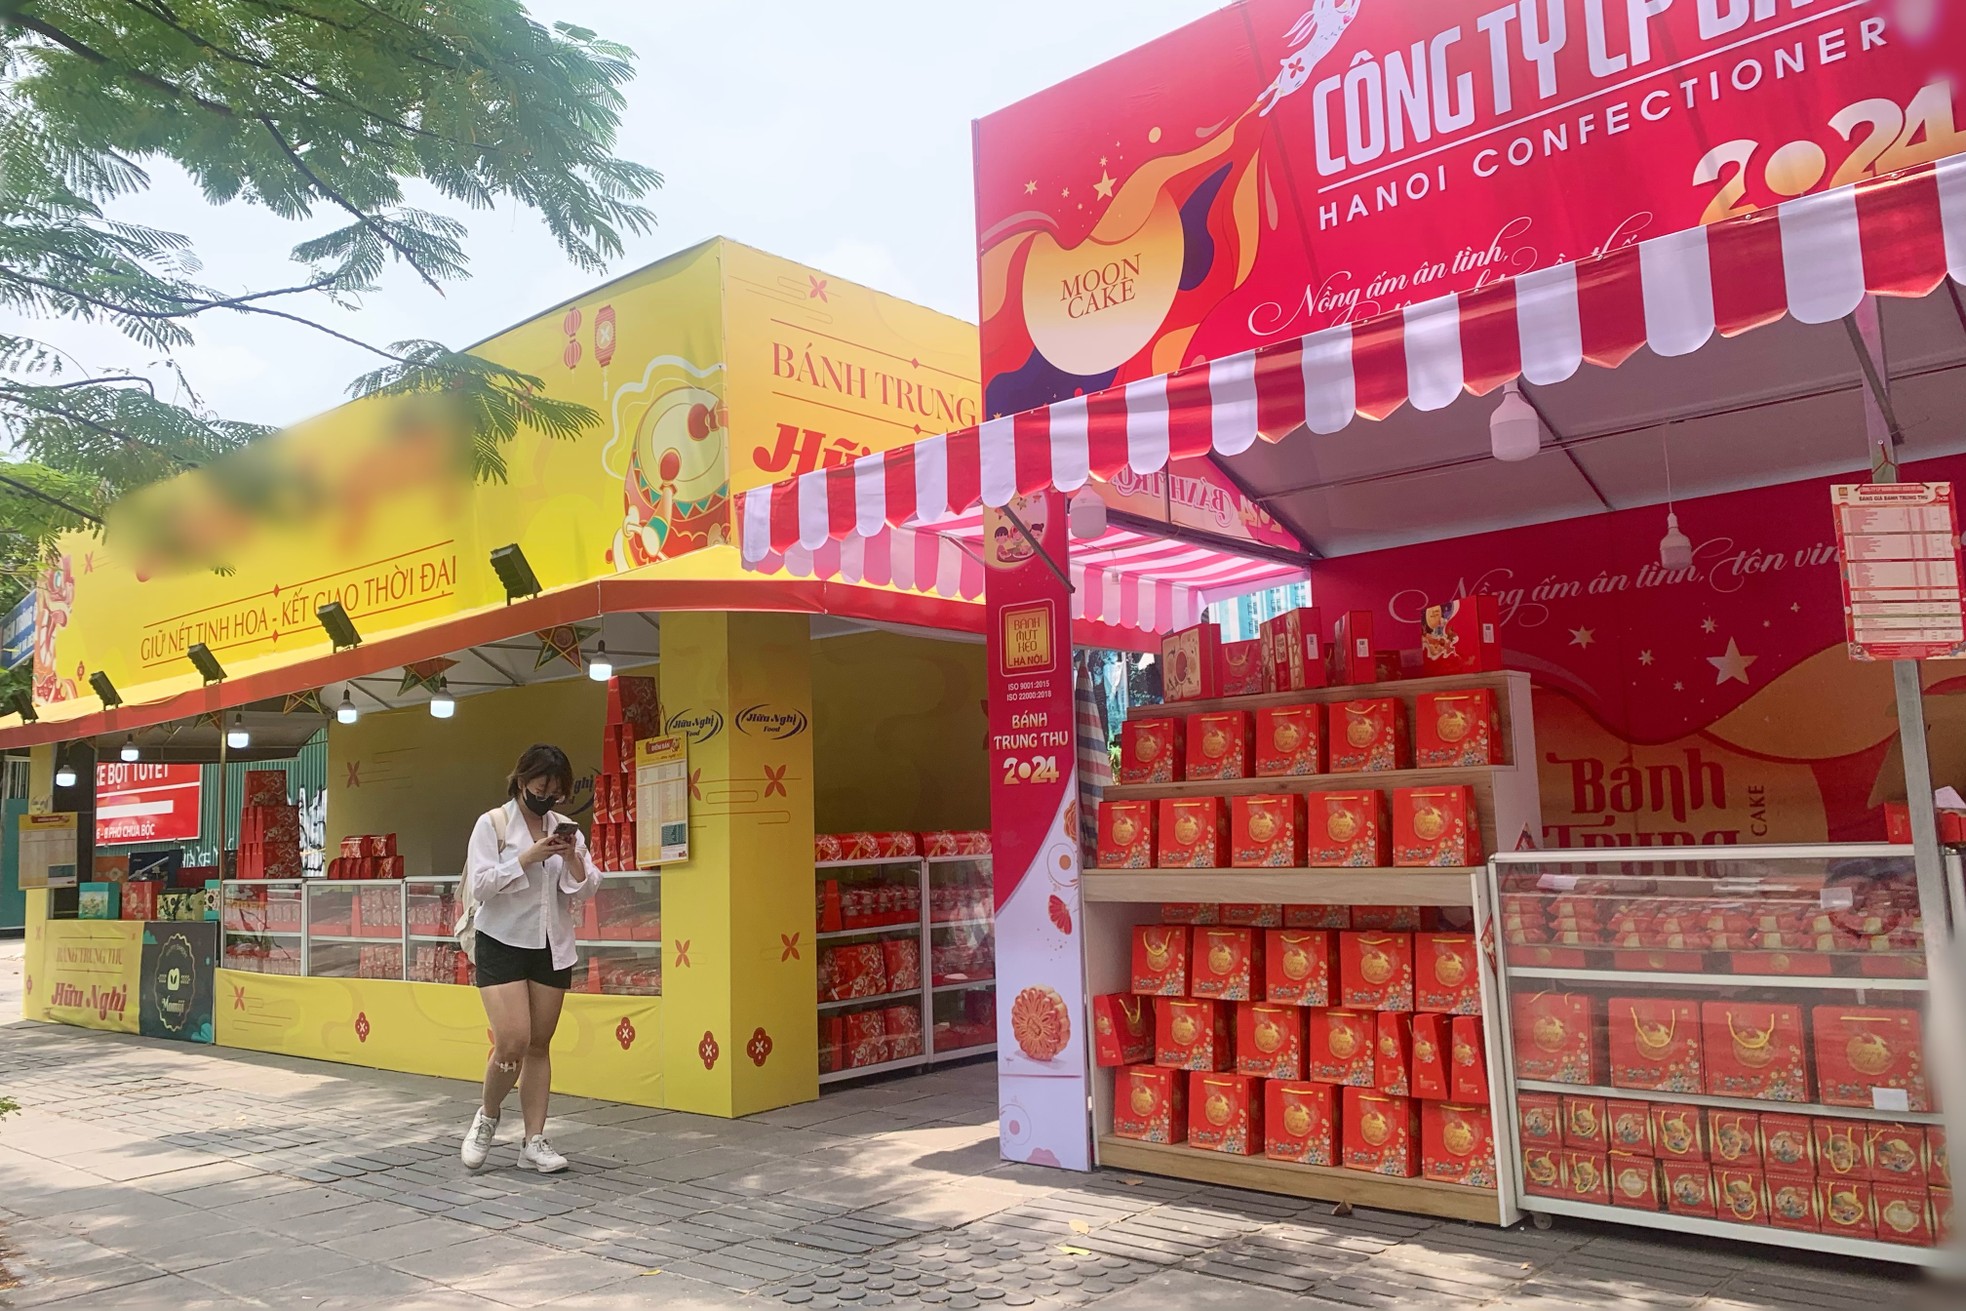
(528, 906)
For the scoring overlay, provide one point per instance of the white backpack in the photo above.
(466, 928)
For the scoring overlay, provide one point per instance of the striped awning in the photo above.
(1813, 258)
(1126, 579)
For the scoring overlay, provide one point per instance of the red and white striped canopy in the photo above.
(1813, 258)
(1126, 579)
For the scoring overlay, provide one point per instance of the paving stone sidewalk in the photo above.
(147, 1174)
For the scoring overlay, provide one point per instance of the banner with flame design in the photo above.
(1282, 166)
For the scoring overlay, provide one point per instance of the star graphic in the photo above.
(1066, 193)
(1732, 665)
(1645, 657)
(1030, 188)
(1102, 161)
(1679, 687)
(1582, 637)
(1795, 608)
(1104, 186)
(1709, 626)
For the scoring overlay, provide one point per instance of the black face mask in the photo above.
(540, 806)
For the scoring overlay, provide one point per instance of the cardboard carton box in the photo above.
(1294, 656)
(1191, 664)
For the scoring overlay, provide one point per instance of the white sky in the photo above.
(832, 132)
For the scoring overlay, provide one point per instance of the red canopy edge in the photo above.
(1813, 258)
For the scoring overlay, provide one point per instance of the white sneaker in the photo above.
(478, 1139)
(538, 1154)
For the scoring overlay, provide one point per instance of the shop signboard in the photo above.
(661, 801)
(1898, 545)
(48, 850)
(17, 633)
(1284, 166)
(1034, 837)
(174, 993)
(91, 974)
(148, 803)
(1194, 494)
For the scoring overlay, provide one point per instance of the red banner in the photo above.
(148, 803)
(1282, 166)
(1715, 704)
(1034, 838)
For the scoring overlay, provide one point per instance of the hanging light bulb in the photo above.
(1675, 548)
(1515, 430)
(129, 754)
(64, 774)
(1087, 515)
(600, 668)
(238, 738)
(346, 713)
(441, 705)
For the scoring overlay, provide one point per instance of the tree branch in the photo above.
(13, 395)
(39, 495)
(361, 215)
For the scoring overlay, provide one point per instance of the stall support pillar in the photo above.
(40, 797)
(739, 1033)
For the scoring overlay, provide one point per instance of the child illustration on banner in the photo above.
(676, 483)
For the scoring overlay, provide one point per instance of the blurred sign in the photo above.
(148, 803)
(17, 634)
(1899, 548)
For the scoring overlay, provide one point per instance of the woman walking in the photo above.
(527, 869)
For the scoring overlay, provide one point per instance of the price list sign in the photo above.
(661, 802)
(1899, 548)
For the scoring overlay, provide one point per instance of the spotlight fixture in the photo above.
(237, 737)
(346, 713)
(64, 775)
(23, 705)
(205, 663)
(442, 706)
(1515, 430)
(600, 668)
(105, 690)
(129, 754)
(341, 630)
(515, 571)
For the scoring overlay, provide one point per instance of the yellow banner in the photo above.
(84, 972)
(605, 1047)
(719, 368)
(823, 371)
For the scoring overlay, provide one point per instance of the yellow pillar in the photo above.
(40, 796)
(739, 1030)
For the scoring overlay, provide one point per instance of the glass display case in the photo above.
(1726, 1041)
(354, 929)
(404, 929)
(962, 954)
(262, 923)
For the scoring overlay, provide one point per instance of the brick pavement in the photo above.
(160, 1175)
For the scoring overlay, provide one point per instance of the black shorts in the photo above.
(498, 963)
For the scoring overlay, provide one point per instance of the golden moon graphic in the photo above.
(1143, 1099)
(1296, 1120)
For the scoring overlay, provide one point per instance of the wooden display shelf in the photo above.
(1318, 887)
(1447, 776)
(1322, 1183)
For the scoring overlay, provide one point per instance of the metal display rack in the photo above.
(1730, 881)
(925, 930)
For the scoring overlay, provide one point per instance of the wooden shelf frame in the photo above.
(1319, 1182)
(1297, 887)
